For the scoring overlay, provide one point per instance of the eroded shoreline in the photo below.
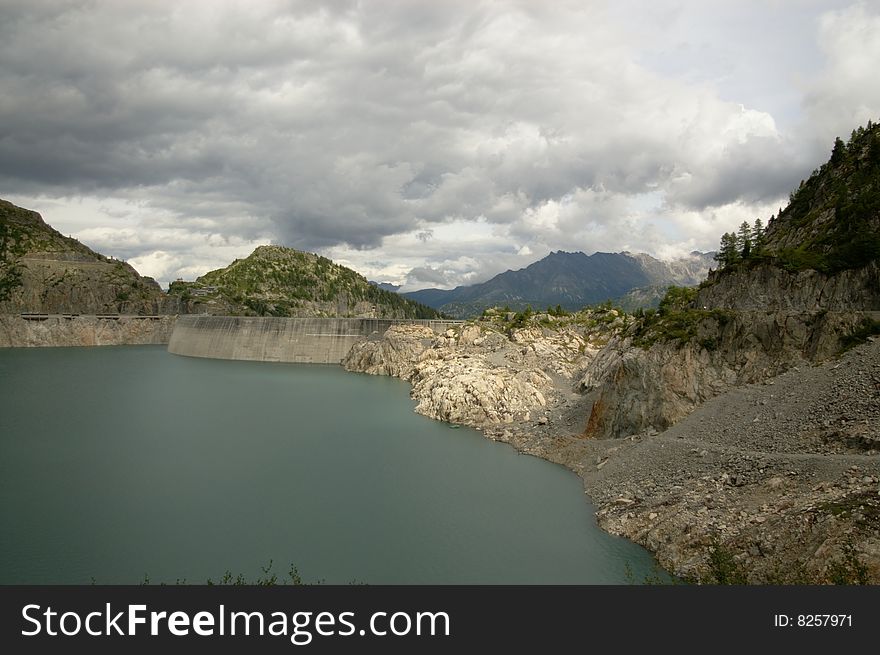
(782, 474)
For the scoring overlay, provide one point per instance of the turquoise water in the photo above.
(126, 462)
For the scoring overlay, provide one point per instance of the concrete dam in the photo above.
(271, 339)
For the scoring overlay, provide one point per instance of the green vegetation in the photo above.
(26, 229)
(723, 567)
(676, 320)
(23, 233)
(747, 244)
(277, 281)
(849, 570)
(11, 250)
(676, 299)
(267, 579)
(599, 319)
(832, 221)
(521, 319)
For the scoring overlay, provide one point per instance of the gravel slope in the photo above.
(785, 474)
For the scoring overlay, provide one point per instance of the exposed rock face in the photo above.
(396, 354)
(477, 376)
(61, 275)
(767, 287)
(469, 390)
(59, 286)
(84, 331)
(639, 390)
(784, 473)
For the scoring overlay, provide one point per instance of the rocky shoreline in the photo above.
(777, 468)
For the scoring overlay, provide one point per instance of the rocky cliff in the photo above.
(491, 373)
(16, 331)
(765, 286)
(779, 479)
(811, 281)
(58, 274)
(648, 387)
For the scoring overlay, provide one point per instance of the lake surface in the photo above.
(118, 463)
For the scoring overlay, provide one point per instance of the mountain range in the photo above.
(570, 279)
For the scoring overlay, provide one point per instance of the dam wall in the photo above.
(270, 339)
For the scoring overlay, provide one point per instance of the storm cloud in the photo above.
(420, 142)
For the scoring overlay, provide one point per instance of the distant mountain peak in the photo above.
(569, 279)
(387, 286)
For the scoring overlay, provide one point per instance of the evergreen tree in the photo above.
(744, 240)
(757, 237)
(727, 254)
(839, 151)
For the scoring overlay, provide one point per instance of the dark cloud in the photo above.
(345, 124)
(755, 171)
(425, 276)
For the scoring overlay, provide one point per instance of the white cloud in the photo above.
(846, 94)
(456, 139)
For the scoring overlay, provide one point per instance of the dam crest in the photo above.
(276, 339)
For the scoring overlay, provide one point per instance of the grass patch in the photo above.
(681, 326)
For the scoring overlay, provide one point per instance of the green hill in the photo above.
(278, 281)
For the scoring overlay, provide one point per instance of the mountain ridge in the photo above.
(569, 279)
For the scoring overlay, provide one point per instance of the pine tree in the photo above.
(758, 237)
(727, 254)
(838, 152)
(744, 240)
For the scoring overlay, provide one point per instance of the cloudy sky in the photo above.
(423, 143)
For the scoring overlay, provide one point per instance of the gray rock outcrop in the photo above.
(84, 331)
(650, 389)
(766, 287)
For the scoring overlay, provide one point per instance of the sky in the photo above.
(426, 144)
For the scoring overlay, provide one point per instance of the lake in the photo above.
(118, 463)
